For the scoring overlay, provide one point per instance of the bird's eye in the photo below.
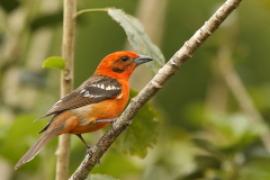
(124, 58)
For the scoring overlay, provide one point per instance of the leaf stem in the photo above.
(83, 11)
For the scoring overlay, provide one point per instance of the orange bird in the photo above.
(92, 106)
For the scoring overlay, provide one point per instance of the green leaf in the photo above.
(101, 177)
(137, 37)
(134, 30)
(257, 168)
(141, 134)
(19, 137)
(54, 62)
(236, 129)
(117, 164)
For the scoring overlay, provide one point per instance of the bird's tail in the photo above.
(35, 149)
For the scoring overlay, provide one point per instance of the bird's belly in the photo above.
(88, 128)
(88, 115)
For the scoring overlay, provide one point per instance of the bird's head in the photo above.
(121, 64)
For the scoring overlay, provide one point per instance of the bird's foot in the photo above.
(88, 150)
(90, 153)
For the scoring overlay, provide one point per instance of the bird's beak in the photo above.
(142, 59)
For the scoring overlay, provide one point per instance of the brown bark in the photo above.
(68, 41)
(176, 61)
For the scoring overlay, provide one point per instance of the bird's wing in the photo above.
(96, 89)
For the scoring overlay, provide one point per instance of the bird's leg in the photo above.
(88, 150)
(83, 141)
(110, 120)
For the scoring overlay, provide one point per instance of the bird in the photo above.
(95, 104)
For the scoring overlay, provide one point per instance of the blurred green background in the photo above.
(210, 121)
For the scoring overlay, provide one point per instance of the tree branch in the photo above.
(176, 61)
(68, 42)
(240, 93)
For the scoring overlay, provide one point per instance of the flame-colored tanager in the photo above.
(93, 105)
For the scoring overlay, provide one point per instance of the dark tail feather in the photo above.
(35, 149)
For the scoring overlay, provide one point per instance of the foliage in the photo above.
(101, 177)
(55, 62)
(142, 133)
(138, 39)
(136, 35)
(21, 131)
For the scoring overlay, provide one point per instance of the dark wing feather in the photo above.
(96, 89)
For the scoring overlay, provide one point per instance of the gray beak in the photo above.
(142, 59)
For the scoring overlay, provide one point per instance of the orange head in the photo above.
(120, 64)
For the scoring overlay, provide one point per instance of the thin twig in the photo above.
(240, 93)
(176, 61)
(68, 41)
(89, 10)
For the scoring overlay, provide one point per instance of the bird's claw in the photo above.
(90, 153)
(88, 150)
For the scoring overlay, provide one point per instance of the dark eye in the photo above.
(124, 58)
